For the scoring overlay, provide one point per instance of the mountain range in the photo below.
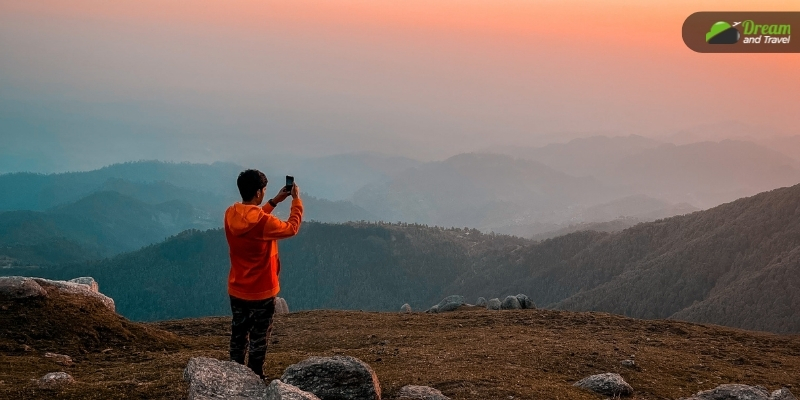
(735, 264)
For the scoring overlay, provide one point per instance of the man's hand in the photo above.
(295, 191)
(281, 196)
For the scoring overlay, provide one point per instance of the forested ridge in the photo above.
(736, 264)
(369, 266)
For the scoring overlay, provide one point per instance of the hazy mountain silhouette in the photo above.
(583, 156)
(612, 216)
(335, 177)
(703, 174)
(38, 192)
(479, 190)
(101, 224)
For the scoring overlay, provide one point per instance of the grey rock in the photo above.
(78, 288)
(782, 394)
(608, 384)
(494, 304)
(55, 380)
(210, 378)
(413, 392)
(510, 303)
(19, 287)
(334, 378)
(525, 302)
(733, 392)
(481, 302)
(450, 303)
(60, 359)
(88, 281)
(281, 306)
(628, 363)
(405, 308)
(278, 390)
(433, 310)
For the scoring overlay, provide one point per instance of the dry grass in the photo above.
(467, 354)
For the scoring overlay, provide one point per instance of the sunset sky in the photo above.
(87, 83)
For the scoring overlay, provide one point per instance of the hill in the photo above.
(100, 224)
(39, 192)
(344, 266)
(468, 354)
(735, 264)
(208, 188)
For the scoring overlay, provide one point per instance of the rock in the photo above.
(449, 303)
(413, 392)
(733, 391)
(278, 390)
(433, 310)
(334, 378)
(405, 308)
(281, 306)
(481, 302)
(19, 287)
(782, 394)
(608, 384)
(88, 281)
(78, 288)
(55, 380)
(628, 363)
(494, 304)
(60, 359)
(510, 303)
(525, 302)
(210, 378)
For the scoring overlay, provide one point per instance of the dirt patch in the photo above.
(467, 354)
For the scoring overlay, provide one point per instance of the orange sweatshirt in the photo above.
(253, 235)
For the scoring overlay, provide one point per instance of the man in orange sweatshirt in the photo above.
(253, 234)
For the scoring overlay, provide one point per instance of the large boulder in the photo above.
(525, 302)
(405, 308)
(210, 378)
(493, 304)
(735, 391)
(281, 306)
(278, 390)
(414, 392)
(19, 287)
(334, 378)
(510, 303)
(77, 288)
(55, 380)
(481, 302)
(608, 384)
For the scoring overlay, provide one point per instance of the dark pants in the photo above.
(250, 327)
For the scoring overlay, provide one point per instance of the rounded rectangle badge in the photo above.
(742, 32)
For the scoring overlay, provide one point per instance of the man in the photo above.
(252, 233)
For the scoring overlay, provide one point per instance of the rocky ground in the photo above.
(470, 353)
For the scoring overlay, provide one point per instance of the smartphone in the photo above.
(289, 182)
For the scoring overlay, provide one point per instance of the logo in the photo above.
(723, 33)
(741, 31)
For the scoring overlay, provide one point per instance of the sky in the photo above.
(87, 83)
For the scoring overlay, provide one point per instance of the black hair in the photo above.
(249, 182)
